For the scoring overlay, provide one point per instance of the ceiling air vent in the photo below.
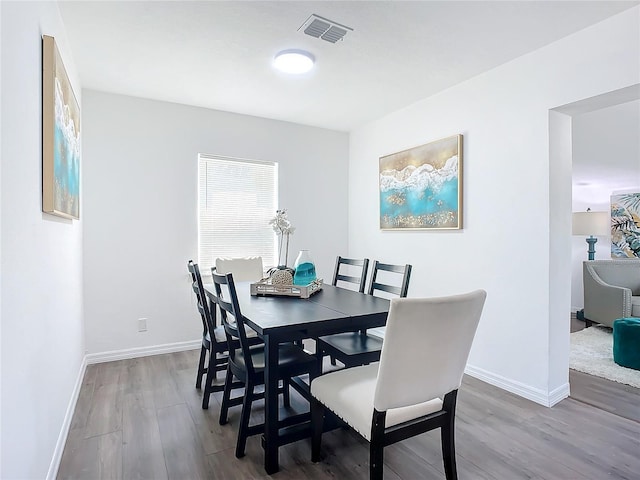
(320, 27)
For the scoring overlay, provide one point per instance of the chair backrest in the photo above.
(248, 269)
(426, 348)
(234, 327)
(400, 288)
(621, 273)
(342, 264)
(201, 299)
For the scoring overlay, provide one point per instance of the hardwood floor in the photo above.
(614, 397)
(141, 419)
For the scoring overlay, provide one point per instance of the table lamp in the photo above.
(592, 224)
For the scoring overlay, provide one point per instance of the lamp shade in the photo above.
(591, 223)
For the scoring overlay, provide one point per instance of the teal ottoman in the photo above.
(626, 342)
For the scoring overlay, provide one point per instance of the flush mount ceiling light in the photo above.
(294, 61)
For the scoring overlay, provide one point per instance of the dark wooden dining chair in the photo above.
(340, 274)
(213, 351)
(345, 275)
(387, 402)
(219, 343)
(247, 363)
(363, 347)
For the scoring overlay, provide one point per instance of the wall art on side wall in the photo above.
(60, 137)
(421, 188)
(625, 225)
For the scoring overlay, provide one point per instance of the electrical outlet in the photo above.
(142, 324)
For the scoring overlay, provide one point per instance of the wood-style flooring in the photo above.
(619, 399)
(141, 419)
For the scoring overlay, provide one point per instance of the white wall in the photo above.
(140, 207)
(513, 214)
(41, 260)
(606, 159)
(0, 234)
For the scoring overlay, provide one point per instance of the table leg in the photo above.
(271, 405)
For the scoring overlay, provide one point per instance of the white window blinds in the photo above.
(236, 200)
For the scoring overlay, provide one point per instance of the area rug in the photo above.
(592, 353)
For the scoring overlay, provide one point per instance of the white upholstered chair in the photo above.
(413, 388)
(248, 269)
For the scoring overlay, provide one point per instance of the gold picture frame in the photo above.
(421, 187)
(60, 137)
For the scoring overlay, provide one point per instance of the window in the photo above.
(236, 200)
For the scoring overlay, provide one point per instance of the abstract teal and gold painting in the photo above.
(422, 187)
(61, 137)
(625, 225)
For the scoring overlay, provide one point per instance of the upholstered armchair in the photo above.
(611, 290)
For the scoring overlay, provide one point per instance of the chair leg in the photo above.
(244, 420)
(447, 436)
(226, 397)
(376, 461)
(212, 373)
(286, 392)
(376, 445)
(201, 369)
(213, 363)
(449, 452)
(317, 425)
(319, 355)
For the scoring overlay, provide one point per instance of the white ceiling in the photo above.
(217, 54)
(606, 153)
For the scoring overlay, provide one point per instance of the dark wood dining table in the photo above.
(279, 319)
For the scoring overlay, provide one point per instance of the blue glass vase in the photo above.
(305, 269)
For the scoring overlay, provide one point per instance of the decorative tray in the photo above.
(265, 287)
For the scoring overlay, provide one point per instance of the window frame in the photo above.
(204, 196)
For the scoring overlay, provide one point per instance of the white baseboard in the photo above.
(66, 423)
(142, 351)
(547, 399)
(559, 394)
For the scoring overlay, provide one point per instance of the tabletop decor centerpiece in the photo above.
(281, 279)
(282, 275)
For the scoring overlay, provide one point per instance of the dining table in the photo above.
(279, 319)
